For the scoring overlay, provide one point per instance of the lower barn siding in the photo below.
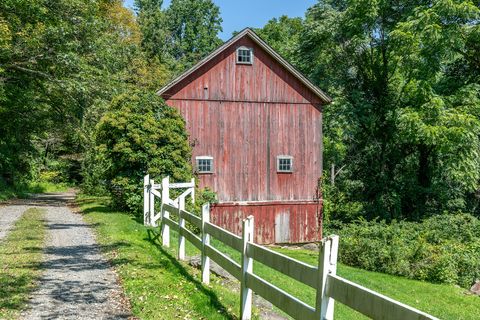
(275, 222)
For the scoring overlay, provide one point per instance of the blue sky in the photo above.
(238, 14)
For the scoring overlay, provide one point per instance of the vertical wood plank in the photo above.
(252, 114)
(205, 241)
(181, 223)
(165, 213)
(246, 294)
(146, 200)
(151, 205)
(327, 264)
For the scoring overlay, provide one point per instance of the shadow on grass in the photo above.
(18, 275)
(13, 288)
(213, 298)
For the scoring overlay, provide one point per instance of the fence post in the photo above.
(181, 223)
(205, 241)
(146, 200)
(165, 213)
(247, 267)
(327, 264)
(151, 204)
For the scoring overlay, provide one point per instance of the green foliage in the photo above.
(406, 141)
(283, 35)
(182, 34)
(443, 249)
(60, 63)
(140, 134)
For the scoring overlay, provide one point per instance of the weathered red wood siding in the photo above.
(304, 220)
(244, 116)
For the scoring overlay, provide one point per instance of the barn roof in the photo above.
(250, 33)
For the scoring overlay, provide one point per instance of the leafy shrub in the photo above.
(140, 134)
(443, 249)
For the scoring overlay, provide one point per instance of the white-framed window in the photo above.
(244, 55)
(284, 163)
(204, 164)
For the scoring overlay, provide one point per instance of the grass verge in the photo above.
(155, 281)
(157, 285)
(440, 300)
(22, 191)
(20, 258)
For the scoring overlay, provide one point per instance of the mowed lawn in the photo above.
(160, 287)
(20, 262)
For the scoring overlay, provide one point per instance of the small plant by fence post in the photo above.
(327, 265)
(146, 200)
(166, 214)
(205, 242)
(246, 293)
(181, 223)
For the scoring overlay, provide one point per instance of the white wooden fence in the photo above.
(329, 287)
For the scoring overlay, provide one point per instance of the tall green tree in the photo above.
(408, 130)
(283, 35)
(181, 34)
(61, 62)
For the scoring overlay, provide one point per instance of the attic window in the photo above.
(204, 164)
(285, 164)
(244, 55)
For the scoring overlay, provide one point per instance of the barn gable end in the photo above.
(244, 117)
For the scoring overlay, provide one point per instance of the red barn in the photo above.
(255, 124)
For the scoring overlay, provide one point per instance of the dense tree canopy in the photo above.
(409, 130)
(181, 34)
(403, 131)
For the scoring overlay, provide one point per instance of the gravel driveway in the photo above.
(8, 216)
(77, 282)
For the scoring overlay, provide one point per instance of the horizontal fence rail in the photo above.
(295, 269)
(369, 302)
(322, 278)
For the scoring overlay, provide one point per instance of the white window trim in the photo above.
(244, 48)
(203, 158)
(284, 157)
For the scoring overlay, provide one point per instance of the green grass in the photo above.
(42, 187)
(20, 258)
(22, 191)
(150, 272)
(440, 300)
(157, 285)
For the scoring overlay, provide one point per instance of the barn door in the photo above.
(282, 227)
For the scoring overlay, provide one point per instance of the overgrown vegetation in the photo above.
(441, 249)
(20, 258)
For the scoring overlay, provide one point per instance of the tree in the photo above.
(140, 134)
(283, 35)
(180, 35)
(411, 144)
